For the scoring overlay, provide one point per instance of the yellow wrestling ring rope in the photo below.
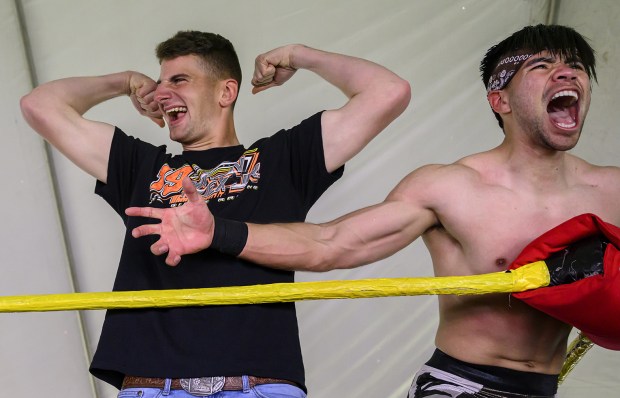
(527, 277)
(530, 276)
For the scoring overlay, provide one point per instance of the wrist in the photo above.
(229, 236)
(126, 78)
(297, 56)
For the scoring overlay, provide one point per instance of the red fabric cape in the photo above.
(591, 304)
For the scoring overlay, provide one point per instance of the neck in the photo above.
(210, 143)
(219, 135)
(541, 167)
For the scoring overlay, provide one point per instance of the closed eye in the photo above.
(178, 78)
(540, 66)
(539, 62)
(577, 65)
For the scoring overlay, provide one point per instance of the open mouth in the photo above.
(175, 113)
(563, 109)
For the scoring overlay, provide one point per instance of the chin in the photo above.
(564, 148)
(177, 136)
(562, 139)
(564, 145)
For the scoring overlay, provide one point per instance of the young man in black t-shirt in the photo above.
(230, 348)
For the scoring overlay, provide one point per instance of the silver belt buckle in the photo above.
(203, 386)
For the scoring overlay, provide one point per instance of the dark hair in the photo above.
(559, 40)
(216, 51)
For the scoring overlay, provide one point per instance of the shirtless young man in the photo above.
(475, 216)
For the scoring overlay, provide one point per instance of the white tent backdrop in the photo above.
(60, 237)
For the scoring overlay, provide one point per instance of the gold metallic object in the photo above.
(576, 350)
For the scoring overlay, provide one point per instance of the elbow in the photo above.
(401, 93)
(32, 110)
(322, 266)
(318, 263)
(28, 108)
(330, 257)
(41, 112)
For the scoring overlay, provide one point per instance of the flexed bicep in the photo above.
(85, 142)
(56, 111)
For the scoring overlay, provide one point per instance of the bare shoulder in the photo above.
(436, 173)
(595, 189)
(436, 180)
(603, 171)
(603, 176)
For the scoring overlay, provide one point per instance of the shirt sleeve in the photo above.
(307, 160)
(127, 156)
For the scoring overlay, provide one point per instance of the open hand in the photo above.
(183, 230)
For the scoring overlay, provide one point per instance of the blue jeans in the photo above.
(260, 391)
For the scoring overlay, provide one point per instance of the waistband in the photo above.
(496, 377)
(201, 385)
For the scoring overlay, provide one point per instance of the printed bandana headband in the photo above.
(506, 69)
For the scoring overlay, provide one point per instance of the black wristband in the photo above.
(229, 236)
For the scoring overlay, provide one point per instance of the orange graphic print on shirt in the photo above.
(222, 182)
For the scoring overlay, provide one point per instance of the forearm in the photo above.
(73, 95)
(292, 246)
(351, 75)
(358, 238)
(55, 111)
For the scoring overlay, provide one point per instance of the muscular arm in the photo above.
(361, 237)
(376, 95)
(358, 238)
(55, 110)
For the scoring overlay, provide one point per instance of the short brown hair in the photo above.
(216, 51)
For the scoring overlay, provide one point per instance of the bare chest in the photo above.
(486, 232)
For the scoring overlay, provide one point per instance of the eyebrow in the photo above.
(573, 60)
(532, 61)
(173, 77)
(552, 59)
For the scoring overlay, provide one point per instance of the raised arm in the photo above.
(361, 237)
(376, 95)
(55, 110)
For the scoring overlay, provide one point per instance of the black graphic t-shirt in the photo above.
(276, 179)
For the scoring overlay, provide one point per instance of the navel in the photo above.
(501, 262)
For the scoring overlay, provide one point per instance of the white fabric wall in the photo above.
(36, 349)
(367, 347)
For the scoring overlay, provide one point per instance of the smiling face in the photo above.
(549, 98)
(189, 98)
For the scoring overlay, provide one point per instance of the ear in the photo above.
(498, 99)
(230, 90)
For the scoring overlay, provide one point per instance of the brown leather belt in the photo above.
(201, 386)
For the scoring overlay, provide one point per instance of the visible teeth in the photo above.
(567, 125)
(176, 110)
(566, 93)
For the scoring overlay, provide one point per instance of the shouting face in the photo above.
(188, 96)
(549, 99)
